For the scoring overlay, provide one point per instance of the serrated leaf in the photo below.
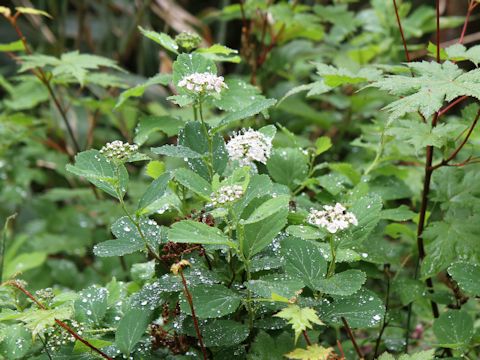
(224, 333)
(301, 319)
(467, 276)
(193, 182)
(313, 352)
(218, 52)
(288, 166)
(151, 124)
(131, 329)
(37, 320)
(189, 231)
(454, 329)
(177, 151)
(15, 342)
(344, 283)
(238, 96)
(91, 306)
(160, 38)
(254, 108)
(304, 261)
(422, 355)
(211, 301)
(155, 191)
(137, 91)
(268, 208)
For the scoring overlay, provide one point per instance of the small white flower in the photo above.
(332, 218)
(202, 83)
(226, 194)
(248, 146)
(118, 151)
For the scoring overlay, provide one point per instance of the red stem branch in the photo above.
(399, 23)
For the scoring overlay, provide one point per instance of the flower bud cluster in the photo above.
(226, 194)
(203, 83)
(332, 218)
(118, 151)
(188, 41)
(248, 146)
(58, 337)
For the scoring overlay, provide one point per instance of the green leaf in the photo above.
(15, 342)
(454, 329)
(24, 262)
(13, 46)
(257, 235)
(301, 319)
(314, 351)
(31, 11)
(189, 231)
(139, 90)
(269, 287)
(402, 213)
(362, 310)
(177, 151)
(218, 52)
(238, 96)
(131, 329)
(224, 333)
(91, 306)
(155, 191)
(304, 261)
(211, 301)
(432, 85)
(160, 38)
(37, 320)
(466, 275)
(344, 284)
(422, 355)
(322, 144)
(102, 173)
(266, 347)
(194, 182)
(306, 232)
(288, 166)
(151, 124)
(268, 208)
(254, 108)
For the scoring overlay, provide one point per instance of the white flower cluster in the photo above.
(332, 218)
(248, 146)
(119, 151)
(226, 194)
(203, 83)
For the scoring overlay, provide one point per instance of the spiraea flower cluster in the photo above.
(188, 41)
(203, 83)
(332, 218)
(248, 146)
(118, 151)
(226, 194)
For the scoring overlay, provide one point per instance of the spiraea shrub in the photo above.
(312, 195)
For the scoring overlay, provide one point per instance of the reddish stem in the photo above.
(194, 316)
(451, 105)
(399, 23)
(352, 338)
(471, 6)
(59, 322)
(307, 339)
(438, 30)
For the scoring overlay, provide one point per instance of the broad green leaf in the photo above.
(139, 90)
(467, 276)
(155, 168)
(31, 11)
(218, 52)
(454, 329)
(422, 355)
(91, 305)
(270, 286)
(306, 232)
(24, 262)
(189, 231)
(177, 151)
(238, 96)
(211, 301)
(322, 144)
(160, 38)
(304, 261)
(254, 108)
(402, 213)
(288, 166)
(151, 124)
(344, 283)
(301, 319)
(131, 329)
(266, 347)
(268, 208)
(15, 342)
(194, 182)
(224, 333)
(312, 352)
(155, 191)
(102, 173)
(362, 310)
(13, 46)
(118, 247)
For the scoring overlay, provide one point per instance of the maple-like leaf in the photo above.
(37, 320)
(300, 318)
(312, 352)
(427, 91)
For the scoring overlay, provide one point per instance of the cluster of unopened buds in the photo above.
(118, 151)
(188, 41)
(332, 218)
(58, 337)
(203, 83)
(248, 146)
(226, 194)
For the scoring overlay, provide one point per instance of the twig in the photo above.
(471, 6)
(194, 316)
(451, 105)
(307, 339)
(352, 338)
(399, 23)
(59, 322)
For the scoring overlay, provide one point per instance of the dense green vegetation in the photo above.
(250, 179)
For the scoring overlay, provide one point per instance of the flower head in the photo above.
(118, 151)
(226, 194)
(188, 41)
(203, 83)
(332, 218)
(248, 146)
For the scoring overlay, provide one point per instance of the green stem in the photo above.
(209, 139)
(331, 267)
